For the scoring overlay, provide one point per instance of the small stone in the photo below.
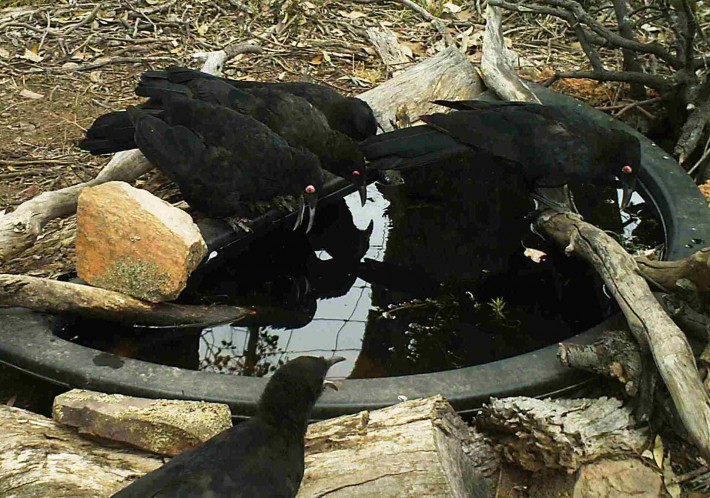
(166, 427)
(628, 477)
(130, 241)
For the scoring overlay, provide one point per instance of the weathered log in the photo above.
(496, 68)
(562, 434)
(416, 448)
(390, 49)
(53, 296)
(39, 457)
(448, 75)
(649, 323)
(691, 273)
(409, 449)
(614, 355)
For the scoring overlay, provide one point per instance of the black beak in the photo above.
(312, 202)
(301, 210)
(627, 190)
(363, 194)
(335, 359)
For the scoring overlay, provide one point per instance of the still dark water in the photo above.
(440, 272)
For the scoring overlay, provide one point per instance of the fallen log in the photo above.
(562, 434)
(53, 296)
(415, 448)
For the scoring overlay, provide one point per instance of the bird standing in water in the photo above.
(549, 145)
(262, 457)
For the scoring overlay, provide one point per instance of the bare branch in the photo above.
(649, 80)
(621, 9)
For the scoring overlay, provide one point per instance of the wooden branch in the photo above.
(698, 123)
(652, 81)
(615, 355)
(447, 76)
(631, 63)
(53, 296)
(694, 324)
(649, 323)
(213, 62)
(497, 72)
(691, 273)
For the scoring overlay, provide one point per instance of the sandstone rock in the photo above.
(130, 241)
(161, 426)
(602, 479)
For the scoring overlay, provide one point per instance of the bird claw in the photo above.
(238, 224)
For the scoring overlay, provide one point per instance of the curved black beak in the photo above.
(301, 211)
(332, 361)
(363, 194)
(627, 191)
(312, 202)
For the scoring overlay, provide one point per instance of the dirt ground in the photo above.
(63, 64)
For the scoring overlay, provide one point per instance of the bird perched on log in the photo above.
(290, 116)
(262, 457)
(551, 145)
(348, 115)
(221, 160)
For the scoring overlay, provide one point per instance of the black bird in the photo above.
(223, 160)
(262, 457)
(550, 144)
(348, 115)
(290, 116)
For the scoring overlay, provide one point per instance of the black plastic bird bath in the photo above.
(28, 344)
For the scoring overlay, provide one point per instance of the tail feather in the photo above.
(112, 132)
(410, 147)
(157, 85)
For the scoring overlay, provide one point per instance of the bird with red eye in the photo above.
(548, 145)
(309, 198)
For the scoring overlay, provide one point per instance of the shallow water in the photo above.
(441, 279)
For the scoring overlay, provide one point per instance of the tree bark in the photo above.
(562, 434)
(53, 296)
(691, 273)
(447, 76)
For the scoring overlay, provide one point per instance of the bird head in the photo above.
(294, 389)
(342, 156)
(626, 165)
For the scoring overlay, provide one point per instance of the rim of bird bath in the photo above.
(28, 344)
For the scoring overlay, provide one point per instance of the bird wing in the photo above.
(246, 461)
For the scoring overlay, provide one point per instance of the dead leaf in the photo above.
(11, 168)
(31, 56)
(352, 15)
(317, 60)
(452, 7)
(29, 94)
(12, 400)
(658, 452)
(672, 487)
(4, 53)
(202, 29)
(535, 255)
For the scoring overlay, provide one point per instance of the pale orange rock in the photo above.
(130, 241)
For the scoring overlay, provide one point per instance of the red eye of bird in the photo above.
(627, 169)
(310, 189)
(356, 173)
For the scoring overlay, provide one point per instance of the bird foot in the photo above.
(238, 224)
(285, 203)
